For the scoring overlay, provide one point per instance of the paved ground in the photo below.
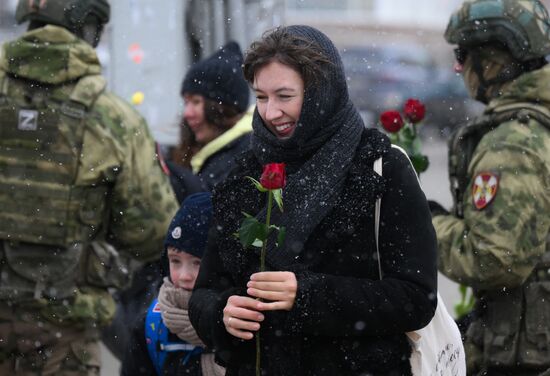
(436, 186)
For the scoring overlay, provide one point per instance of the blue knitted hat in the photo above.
(188, 230)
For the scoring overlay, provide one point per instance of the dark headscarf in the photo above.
(318, 154)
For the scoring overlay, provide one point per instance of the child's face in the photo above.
(184, 268)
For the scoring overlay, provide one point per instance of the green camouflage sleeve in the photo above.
(498, 245)
(142, 201)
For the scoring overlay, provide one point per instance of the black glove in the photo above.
(436, 208)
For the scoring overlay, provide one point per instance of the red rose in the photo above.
(273, 176)
(391, 121)
(414, 110)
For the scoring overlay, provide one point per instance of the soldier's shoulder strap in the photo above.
(476, 128)
(88, 89)
(3, 84)
(522, 112)
(84, 95)
(464, 141)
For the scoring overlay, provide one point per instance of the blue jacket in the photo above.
(154, 350)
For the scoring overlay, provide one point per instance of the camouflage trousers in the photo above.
(30, 345)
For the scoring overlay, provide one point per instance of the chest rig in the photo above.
(41, 137)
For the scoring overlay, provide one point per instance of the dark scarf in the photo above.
(318, 155)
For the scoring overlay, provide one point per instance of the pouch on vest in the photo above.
(33, 271)
(104, 267)
(501, 322)
(534, 348)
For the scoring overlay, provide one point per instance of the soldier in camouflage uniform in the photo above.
(83, 197)
(496, 239)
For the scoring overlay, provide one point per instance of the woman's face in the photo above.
(193, 114)
(279, 96)
(184, 268)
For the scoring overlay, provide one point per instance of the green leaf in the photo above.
(259, 187)
(278, 196)
(463, 289)
(258, 243)
(281, 236)
(250, 230)
(416, 146)
(247, 215)
(394, 138)
(407, 133)
(466, 303)
(420, 162)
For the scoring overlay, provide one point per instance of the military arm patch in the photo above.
(484, 189)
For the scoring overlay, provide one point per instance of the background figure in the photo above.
(496, 237)
(214, 127)
(83, 197)
(324, 309)
(163, 342)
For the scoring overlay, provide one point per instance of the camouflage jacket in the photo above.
(503, 227)
(117, 151)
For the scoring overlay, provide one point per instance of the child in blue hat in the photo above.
(163, 342)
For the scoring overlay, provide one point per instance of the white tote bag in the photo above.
(437, 349)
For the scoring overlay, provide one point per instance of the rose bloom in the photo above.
(414, 110)
(273, 176)
(391, 121)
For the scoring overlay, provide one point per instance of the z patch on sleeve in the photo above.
(484, 189)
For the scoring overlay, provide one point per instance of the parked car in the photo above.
(384, 77)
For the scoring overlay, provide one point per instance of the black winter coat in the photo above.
(217, 167)
(345, 321)
(214, 170)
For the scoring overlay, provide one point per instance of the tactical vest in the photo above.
(41, 135)
(512, 328)
(43, 209)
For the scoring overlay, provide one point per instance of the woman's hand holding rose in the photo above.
(242, 316)
(276, 289)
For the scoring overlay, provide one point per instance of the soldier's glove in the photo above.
(436, 208)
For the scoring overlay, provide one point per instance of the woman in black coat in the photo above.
(324, 309)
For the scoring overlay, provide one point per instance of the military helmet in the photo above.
(70, 14)
(522, 25)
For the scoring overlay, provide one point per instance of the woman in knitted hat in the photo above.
(215, 128)
(163, 342)
(322, 308)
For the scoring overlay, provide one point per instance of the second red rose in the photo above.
(414, 110)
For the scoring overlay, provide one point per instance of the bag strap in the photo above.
(154, 335)
(377, 207)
